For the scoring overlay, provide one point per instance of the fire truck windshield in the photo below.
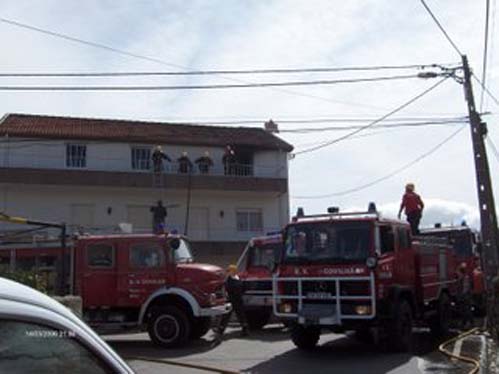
(327, 242)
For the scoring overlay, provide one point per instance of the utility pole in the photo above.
(488, 219)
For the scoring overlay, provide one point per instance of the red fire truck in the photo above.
(254, 270)
(134, 282)
(361, 272)
(467, 247)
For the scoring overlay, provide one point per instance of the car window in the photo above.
(33, 348)
(100, 255)
(147, 255)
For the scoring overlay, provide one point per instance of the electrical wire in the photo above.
(166, 63)
(441, 27)
(220, 72)
(344, 128)
(206, 87)
(387, 176)
(373, 123)
(485, 51)
(487, 91)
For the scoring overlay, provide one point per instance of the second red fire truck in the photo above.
(358, 271)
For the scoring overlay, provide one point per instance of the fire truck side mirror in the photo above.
(174, 243)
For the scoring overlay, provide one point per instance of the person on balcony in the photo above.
(413, 206)
(204, 163)
(184, 164)
(229, 161)
(157, 159)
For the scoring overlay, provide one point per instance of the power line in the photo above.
(205, 87)
(344, 128)
(219, 72)
(441, 28)
(398, 109)
(485, 51)
(238, 121)
(494, 148)
(162, 62)
(487, 91)
(393, 173)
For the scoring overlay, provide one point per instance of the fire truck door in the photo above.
(99, 275)
(148, 269)
(404, 268)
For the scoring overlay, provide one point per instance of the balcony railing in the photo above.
(119, 165)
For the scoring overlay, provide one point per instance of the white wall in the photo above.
(51, 154)
(57, 204)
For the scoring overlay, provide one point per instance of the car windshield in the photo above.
(183, 253)
(325, 242)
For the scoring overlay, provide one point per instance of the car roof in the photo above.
(20, 301)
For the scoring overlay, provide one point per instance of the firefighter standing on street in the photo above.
(413, 206)
(235, 290)
(464, 296)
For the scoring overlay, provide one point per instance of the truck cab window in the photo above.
(29, 347)
(146, 255)
(403, 238)
(100, 256)
(387, 238)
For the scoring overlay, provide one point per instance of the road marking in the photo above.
(456, 351)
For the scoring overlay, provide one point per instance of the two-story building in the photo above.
(95, 174)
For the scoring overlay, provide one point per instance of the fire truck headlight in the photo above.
(212, 299)
(286, 308)
(371, 262)
(362, 310)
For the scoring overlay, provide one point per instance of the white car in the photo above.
(40, 335)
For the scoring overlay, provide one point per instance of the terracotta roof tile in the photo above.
(53, 127)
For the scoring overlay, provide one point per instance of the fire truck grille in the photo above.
(319, 287)
(355, 288)
(258, 285)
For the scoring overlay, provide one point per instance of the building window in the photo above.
(249, 220)
(76, 155)
(141, 158)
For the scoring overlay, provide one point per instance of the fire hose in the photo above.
(469, 360)
(183, 364)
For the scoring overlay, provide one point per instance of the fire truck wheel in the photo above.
(305, 337)
(200, 327)
(439, 323)
(258, 319)
(400, 327)
(169, 327)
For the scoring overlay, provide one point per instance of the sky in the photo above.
(232, 34)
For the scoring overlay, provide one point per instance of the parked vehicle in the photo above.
(254, 270)
(466, 245)
(139, 282)
(37, 334)
(358, 271)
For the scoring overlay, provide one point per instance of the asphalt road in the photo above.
(270, 351)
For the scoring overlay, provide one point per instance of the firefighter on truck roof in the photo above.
(413, 206)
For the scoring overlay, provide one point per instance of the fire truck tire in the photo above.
(439, 323)
(169, 327)
(305, 337)
(200, 326)
(258, 319)
(400, 327)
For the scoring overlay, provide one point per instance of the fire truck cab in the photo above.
(254, 270)
(358, 271)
